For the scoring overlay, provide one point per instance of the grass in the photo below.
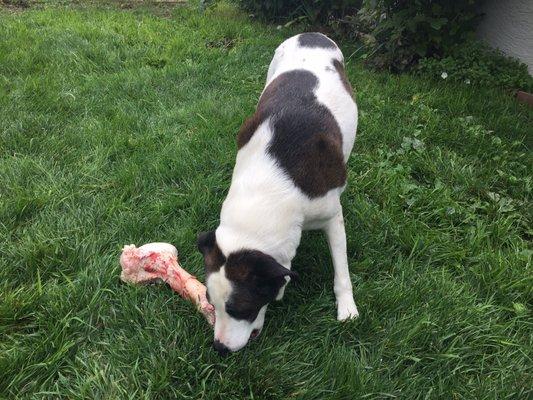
(118, 126)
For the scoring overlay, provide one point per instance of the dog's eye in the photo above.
(249, 315)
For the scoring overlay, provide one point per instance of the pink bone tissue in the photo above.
(159, 261)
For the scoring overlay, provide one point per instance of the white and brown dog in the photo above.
(289, 174)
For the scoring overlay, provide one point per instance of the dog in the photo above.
(289, 174)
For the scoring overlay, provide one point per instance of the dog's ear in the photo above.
(213, 257)
(206, 242)
(271, 269)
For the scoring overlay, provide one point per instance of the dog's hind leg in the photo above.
(342, 284)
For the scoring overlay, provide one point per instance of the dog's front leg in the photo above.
(342, 285)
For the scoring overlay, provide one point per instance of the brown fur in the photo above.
(256, 280)
(213, 257)
(267, 102)
(340, 70)
(307, 142)
(315, 39)
(248, 129)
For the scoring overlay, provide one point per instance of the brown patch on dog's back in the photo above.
(320, 166)
(248, 129)
(307, 141)
(265, 107)
(342, 73)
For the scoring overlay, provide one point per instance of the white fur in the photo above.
(265, 211)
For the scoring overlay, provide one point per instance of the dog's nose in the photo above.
(220, 348)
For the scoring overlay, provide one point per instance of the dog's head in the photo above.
(239, 285)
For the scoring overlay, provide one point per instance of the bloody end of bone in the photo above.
(154, 262)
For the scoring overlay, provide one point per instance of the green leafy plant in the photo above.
(405, 31)
(477, 64)
(315, 11)
(395, 33)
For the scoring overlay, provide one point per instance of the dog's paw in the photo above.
(346, 310)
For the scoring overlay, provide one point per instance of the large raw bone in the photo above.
(159, 261)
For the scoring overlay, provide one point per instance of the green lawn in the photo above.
(118, 125)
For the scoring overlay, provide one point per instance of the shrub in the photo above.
(397, 33)
(434, 36)
(476, 63)
(405, 31)
(315, 11)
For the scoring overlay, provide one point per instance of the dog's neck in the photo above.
(281, 247)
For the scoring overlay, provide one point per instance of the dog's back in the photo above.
(313, 117)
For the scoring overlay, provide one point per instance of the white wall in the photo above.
(508, 25)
